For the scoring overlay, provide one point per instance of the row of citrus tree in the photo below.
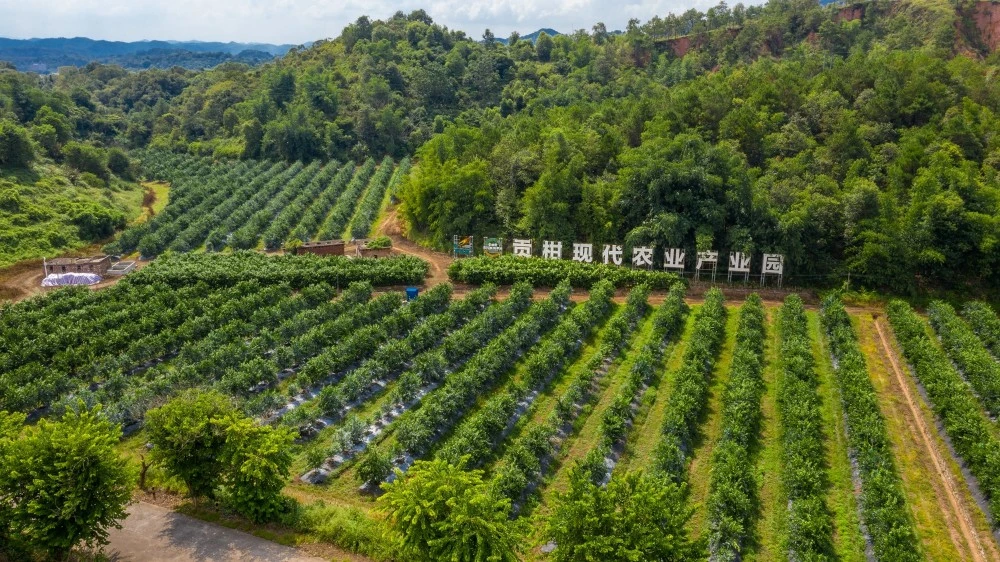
(617, 419)
(525, 460)
(883, 504)
(386, 363)
(442, 409)
(425, 373)
(732, 497)
(970, 355)
(986, 323)
(970, 431)
(63, 351)
(809, 522)
(477, 436)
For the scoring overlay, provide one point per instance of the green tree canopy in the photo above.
(438, 511)
(634, 517)
(62, 483)
(188, 440)
(16, 150)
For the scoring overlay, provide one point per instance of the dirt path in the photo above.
(439, 261)
(954, 506)
(152, 533)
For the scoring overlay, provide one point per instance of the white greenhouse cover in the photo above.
(62, 279)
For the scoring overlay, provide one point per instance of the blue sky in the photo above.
(299, 21)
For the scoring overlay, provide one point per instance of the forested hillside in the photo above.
(64, 182)
(855, 140)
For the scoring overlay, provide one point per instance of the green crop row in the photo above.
(689, 392)
(883, 505)
(968, 352)
(971, 433)
(732, 497)
(810, 524)
(986, 323)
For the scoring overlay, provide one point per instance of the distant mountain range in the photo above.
(532, 36)
(47, 55)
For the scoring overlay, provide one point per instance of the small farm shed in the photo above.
(321, 248)
(363, 251)
(98, 265)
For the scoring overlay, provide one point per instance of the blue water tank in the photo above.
(411, 293)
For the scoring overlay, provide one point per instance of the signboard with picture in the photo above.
(462, 246)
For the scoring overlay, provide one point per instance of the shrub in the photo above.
(86, 158)
(15, 145)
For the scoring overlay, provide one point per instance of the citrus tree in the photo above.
(439, 511)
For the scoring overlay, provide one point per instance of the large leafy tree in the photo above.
(256, 461)
(62, 483)
(201, 438)
(188, 439)
(439, 511)
(15, 146)
(635, 517)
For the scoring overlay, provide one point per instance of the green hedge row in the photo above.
(223, 270)
(970, 431)
(732, 496)
(506, 270)
(810, 524)
(883, 505)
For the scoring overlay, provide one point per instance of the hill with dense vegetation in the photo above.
(855, 140)
(65, 179)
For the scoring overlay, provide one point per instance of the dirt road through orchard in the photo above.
(438, 272)
(152, 533)
(956, 508)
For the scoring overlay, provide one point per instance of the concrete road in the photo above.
(154, 534)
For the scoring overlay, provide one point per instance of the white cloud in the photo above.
(298, 21)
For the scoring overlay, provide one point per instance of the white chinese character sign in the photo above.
(551, 250)
(583, 252)
(612, 254)
(522, 247)
(642, 257)
(706, 260)
(673, 258)
(739, 262)
(774, 264)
